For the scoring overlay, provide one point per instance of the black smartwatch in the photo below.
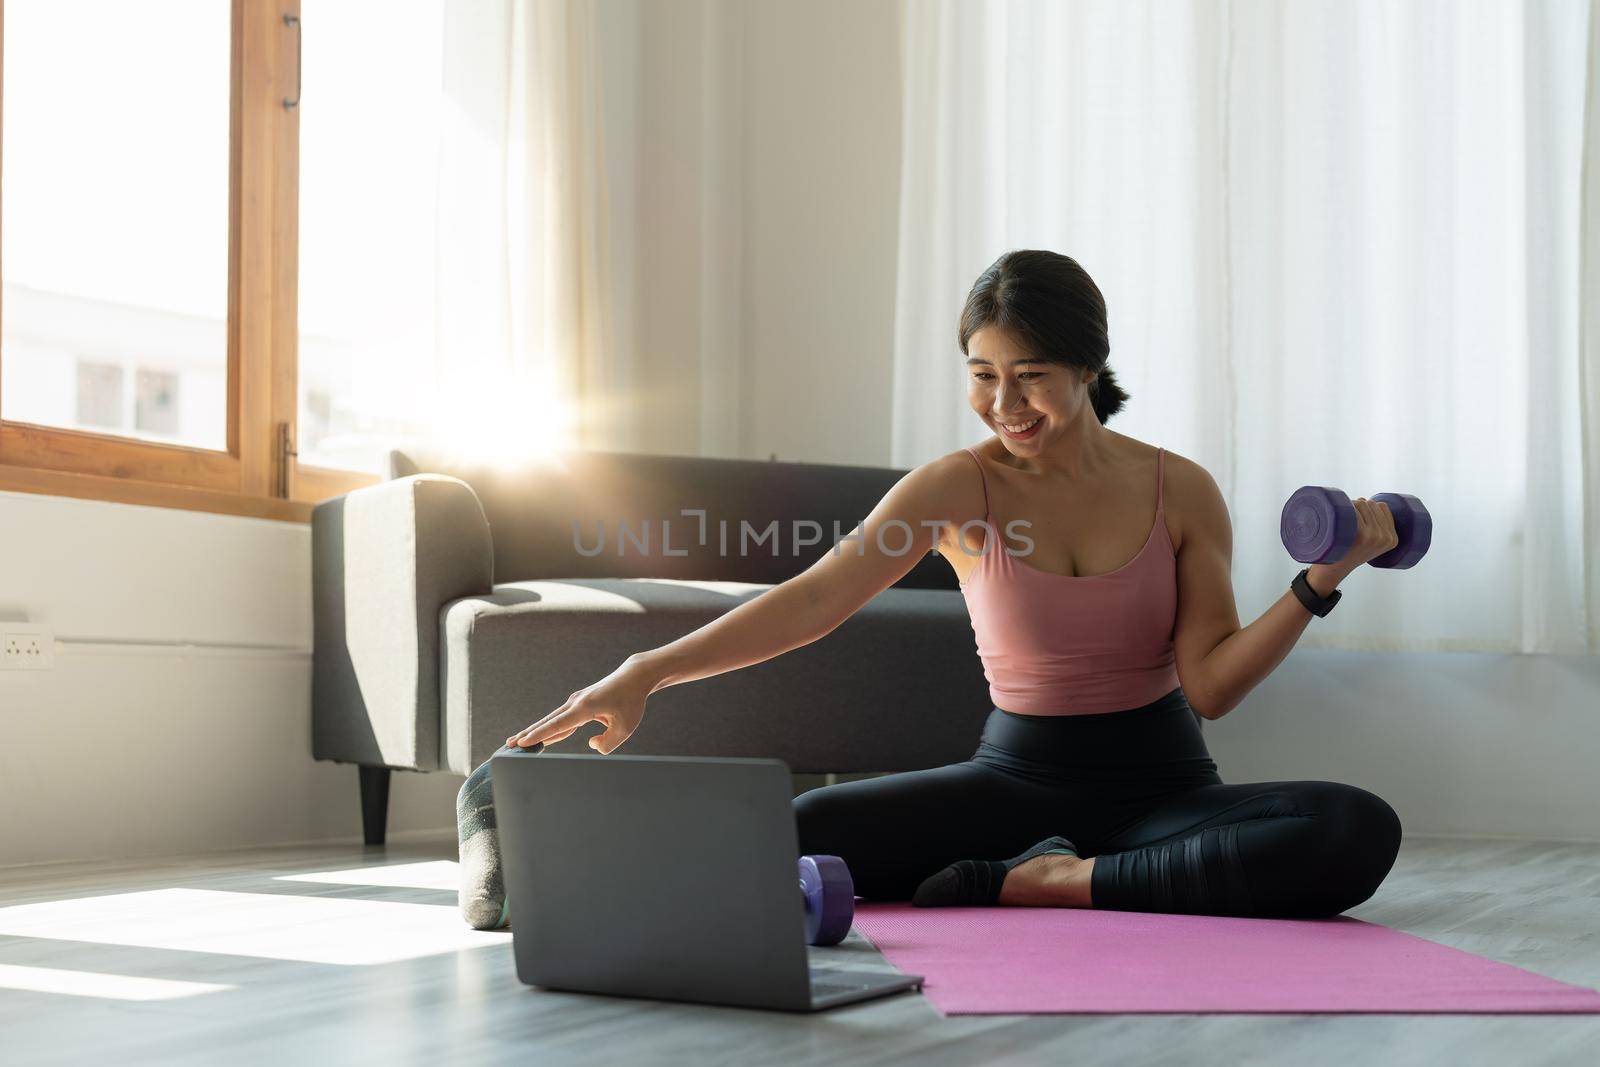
(1318, 606)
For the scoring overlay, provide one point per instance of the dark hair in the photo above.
(1051, 306)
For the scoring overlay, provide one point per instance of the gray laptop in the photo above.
(662, 876)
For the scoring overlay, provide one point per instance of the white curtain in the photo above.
(522, 335)
(1339, 244)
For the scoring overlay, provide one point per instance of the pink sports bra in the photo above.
(1056, 644)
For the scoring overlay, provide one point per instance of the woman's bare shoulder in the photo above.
(958, 474)
(1186, 474)
(1190, 495)
(954, 483)
(952, 466)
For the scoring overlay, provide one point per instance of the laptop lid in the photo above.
(607, 861)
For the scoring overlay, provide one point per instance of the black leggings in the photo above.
(1135, 789)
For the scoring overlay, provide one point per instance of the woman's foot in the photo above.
(1049, 881)
(482, 895)
(1048, 874)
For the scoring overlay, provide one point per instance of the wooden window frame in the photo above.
(259, 474)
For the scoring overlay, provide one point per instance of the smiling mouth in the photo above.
(1019, 427)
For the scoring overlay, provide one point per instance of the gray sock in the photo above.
(978, 882)
(483, 890)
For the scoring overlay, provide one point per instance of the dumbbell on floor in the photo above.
(1319, 526)
(830, 899)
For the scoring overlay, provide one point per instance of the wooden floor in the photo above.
(339, 954)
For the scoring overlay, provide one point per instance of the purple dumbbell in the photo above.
(1318, 525)
(830, 899)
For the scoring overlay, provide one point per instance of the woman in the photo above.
(1096, 571)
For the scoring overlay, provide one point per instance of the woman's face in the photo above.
(1012, 390)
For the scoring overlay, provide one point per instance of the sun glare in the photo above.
(95, 984)
(434, 874)
(279, 926)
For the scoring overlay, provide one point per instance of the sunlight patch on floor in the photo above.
(94, 984)
(266, 925)
(434, 874)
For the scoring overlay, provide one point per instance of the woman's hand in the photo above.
(1375, 533)
(615, 701)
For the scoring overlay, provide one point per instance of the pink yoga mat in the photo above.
(988, 961)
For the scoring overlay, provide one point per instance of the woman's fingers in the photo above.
(547, 720)
(544, 722)
(530, 736)
(529, 740)
(526, 730)
(593, 704)
(1386, 519)
(556, 726)
(1375, 526)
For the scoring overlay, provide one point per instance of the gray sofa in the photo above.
(456, 604)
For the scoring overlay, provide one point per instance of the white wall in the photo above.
(757, 251)
(137, 744)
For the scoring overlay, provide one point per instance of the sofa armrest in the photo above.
(385, 559)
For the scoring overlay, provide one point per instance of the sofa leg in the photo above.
(374, 803)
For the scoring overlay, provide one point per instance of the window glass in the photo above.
(369, 130)
(114, 218)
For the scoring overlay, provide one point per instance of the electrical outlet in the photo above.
(26, 647)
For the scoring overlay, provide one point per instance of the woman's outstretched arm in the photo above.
(791, 614)
(873, 556)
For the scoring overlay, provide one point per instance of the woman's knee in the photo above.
(1366, 824)
(1361, 835)
(1347, 816)
(821, 816)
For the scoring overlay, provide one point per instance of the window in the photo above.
(148, 242)
(115, 203)
(368, 189)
